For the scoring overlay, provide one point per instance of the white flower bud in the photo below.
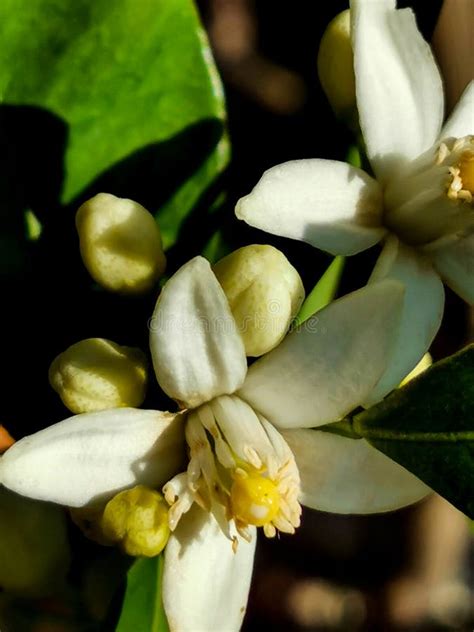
(96, 374)
(120, 244)
(265, 293)
(336, 66)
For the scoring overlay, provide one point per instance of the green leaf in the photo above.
(353, 156)
(142, 607)
(126, 91)
(323, 292)
(428, 427)
(215, 248)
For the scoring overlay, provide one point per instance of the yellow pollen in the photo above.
(466, 172)
(254, 499)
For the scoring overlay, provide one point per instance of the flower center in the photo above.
(240, 469)
(434, 198)
(460, 184)
(254, 499)
(466, 172)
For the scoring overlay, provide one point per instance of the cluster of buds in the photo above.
(121, 248)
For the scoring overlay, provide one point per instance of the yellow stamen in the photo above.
(254, 499)
(460, 186)
(466, 172)
(250, 480)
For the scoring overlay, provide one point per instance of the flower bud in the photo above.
(265, 293)
(120, 244)
(137, 519)
(336, 66)
(95, 374)
(34, 549)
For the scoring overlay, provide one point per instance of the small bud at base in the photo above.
(137, 520)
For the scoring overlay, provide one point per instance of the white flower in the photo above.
(421, 203)
(244, 430)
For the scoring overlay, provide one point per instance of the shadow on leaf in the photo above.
(53, 302)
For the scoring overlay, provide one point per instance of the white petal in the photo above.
(461, 121)
(196, 348)
(331, 363)
(398, 85)
(328, 204)
(343, 475)
(205, 584)
(422, 310)
(379, 4)
(455, 263)
(90, 457)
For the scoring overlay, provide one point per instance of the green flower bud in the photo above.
(96, 374)
(336, 66)
(265, 293)
(137, 519)
(34, 549)
(120, 244)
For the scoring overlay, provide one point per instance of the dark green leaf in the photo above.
(142, 607)
(428, 427)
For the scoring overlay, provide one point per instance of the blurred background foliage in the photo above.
(124, 97)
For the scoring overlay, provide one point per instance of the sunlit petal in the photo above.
(422, 310)
(328, 204)
(398, 85)
(90, 457)
(196, 348)
(331, 363)
(205, 583)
